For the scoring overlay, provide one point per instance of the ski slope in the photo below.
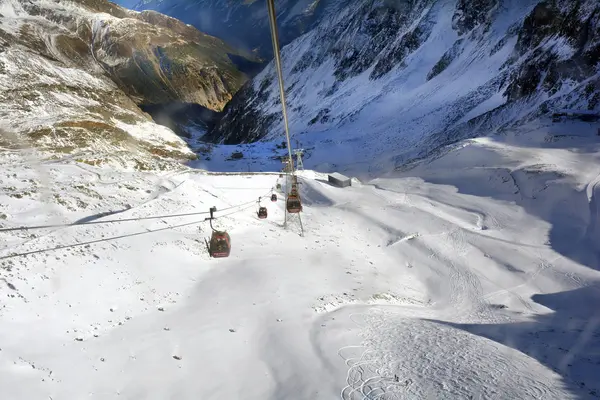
(473, 274)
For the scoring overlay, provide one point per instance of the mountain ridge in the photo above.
(440, 69)
(74, 73)
(245, 24)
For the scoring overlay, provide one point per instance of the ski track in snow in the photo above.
(397, 290)
(476, 368)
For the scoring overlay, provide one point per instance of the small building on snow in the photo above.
(339, 180)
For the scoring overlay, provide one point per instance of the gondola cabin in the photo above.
(220, 244)
(273, 197)
(262, 212)
(293, 203)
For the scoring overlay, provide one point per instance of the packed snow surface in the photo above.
(474, 274)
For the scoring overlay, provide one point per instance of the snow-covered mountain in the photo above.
(72, 74)
(244, 24)
(472, 273)
(402, 78)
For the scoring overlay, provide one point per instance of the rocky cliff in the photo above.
(405, 76)
(73, 73)
(152, 57)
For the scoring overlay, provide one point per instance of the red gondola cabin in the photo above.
(262, 212)
(293, 203)
(220, 244)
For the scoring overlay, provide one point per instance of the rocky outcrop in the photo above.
(381, 37)
(469, 14)
(558, 45)
(446, 59)
(241, 122)
(73, 73)
(368, 36)
(153, 58)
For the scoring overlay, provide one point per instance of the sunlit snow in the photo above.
(471, 275)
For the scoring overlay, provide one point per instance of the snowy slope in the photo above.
(63, 110)
(471, 275)
(401, 79)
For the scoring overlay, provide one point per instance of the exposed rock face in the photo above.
(416, 74)
(152, 57)
(446, 59)
(559, 44)
(380, 38)
(471, 13)
(73, 72)
(242, 123)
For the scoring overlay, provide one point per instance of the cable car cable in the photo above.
(24, 228)
(277, 57)
(62, 247)
(290, 170)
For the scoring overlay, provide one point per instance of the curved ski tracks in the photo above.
(398, 357)
(407, 358)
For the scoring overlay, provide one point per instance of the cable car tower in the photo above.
(292, 201)
(298, 153)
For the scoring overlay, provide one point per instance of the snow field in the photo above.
(472, 274)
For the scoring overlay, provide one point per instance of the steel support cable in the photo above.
(275, 41)
(62, 247)
(24, 228)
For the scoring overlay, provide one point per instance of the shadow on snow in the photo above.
(566, 341)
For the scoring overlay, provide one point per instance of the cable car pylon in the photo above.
(290, 199)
